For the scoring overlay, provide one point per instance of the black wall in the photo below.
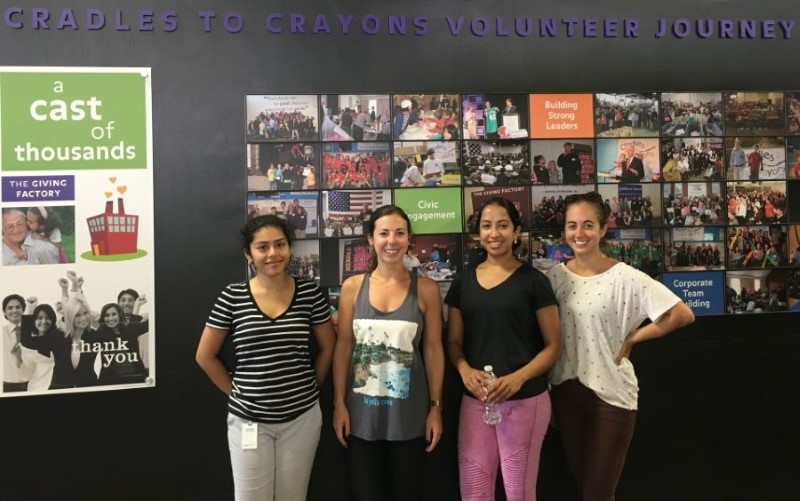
(719, 400)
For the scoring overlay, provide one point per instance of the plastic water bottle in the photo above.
(491, 414)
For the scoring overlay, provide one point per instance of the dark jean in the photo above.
(386, 469)
(595, 436)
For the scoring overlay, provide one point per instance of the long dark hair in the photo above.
(48, 221)
(386, 210)
(112, 306)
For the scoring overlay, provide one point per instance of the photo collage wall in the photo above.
(701, 189)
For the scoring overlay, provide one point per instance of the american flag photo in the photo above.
(351, 203)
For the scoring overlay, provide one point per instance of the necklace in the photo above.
(386, 284)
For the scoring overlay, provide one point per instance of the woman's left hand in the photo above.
(624, 351)
(433, 428)
(504, 388)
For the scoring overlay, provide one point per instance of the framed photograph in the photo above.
(692, 159)
(627, 115)
(792, 113)
(759, 202)
(548, 249)
(793, 157)
(757, 247)
(547, 206)
(282, 166)
(631, 205)
(568, 162)
(346, 213)
(755, 158)
(362, 165)
(691, 114)
(693, 204)
(354, 255)
(282, 118)
(498, 163)
(426, 164)
(304, 262)
(476, 196)
(50, 231)
(754, 113)
(637, 247)
(756, 291)
(355, 117)
(420, 117)
(629, 160)
(438, 257)
(495, 116)
(300, 209)
(793, 249)
(694, 248)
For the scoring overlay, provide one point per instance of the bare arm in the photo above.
(326, 340)
(138, 303)
(433, 352)
(676, 317)
(207, 350)
(550, 325)
(471, 377)
(342, 354)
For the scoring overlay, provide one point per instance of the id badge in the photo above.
(249, 436)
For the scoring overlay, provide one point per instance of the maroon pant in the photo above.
(595, 436)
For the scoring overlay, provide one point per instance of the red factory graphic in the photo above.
(113, 233)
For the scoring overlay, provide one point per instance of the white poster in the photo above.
(76, 279)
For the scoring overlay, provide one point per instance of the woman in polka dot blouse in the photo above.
(603, 304)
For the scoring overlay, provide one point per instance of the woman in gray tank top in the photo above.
(387, 403)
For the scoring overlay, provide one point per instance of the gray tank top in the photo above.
(388, 397)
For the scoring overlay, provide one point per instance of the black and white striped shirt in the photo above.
(274, 380)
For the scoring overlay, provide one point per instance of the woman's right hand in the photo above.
(341, 423)
(474, 381)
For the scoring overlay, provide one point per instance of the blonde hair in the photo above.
(71, 309)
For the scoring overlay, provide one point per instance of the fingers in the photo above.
(623, 353)
(502, 391)
(342, 432)
(499, 394)
(341, 425)
(433, 436)
(433, 429)
(473, 382)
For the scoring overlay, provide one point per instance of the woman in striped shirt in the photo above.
(274, 417)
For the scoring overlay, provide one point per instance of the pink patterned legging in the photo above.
(514, 445)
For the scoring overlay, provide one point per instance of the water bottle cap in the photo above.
(487, 368)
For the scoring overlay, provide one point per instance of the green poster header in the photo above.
(431, 210)
(73, 120)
